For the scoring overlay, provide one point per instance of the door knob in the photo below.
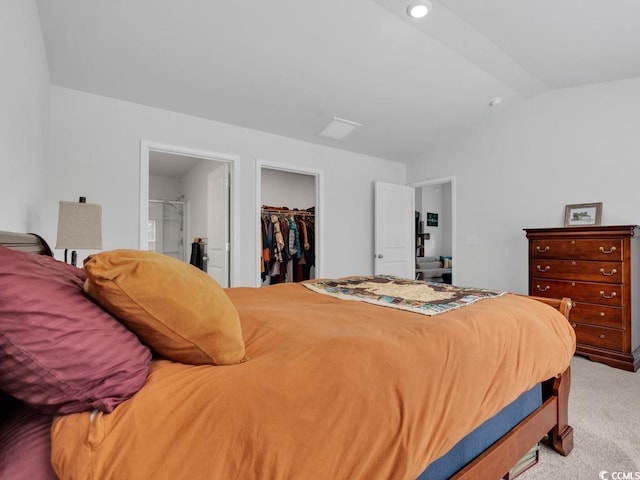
(380, 255)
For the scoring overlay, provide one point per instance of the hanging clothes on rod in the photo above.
(288, 247)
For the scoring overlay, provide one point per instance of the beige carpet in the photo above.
(604, 411)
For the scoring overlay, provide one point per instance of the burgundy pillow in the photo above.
(25, 446)
(7, 406)
(59, 351)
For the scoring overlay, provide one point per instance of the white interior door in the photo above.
(218, 224)
(394, 250)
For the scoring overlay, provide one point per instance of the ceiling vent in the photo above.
(339, 128)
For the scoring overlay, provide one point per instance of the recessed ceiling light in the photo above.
(418, 9)
(339, 128)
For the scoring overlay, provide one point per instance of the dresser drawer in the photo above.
(589, 271)
(598, 293)
(600, 315)
(580, 249)
(603, 337)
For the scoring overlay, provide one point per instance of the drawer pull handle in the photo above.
(603, 336)
(543, 269)
(544, 249)
(612, 272)
(611, 250)
(602, 314)
(573, 325)
(603, 295)
(546, 287)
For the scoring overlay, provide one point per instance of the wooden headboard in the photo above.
(26, 242)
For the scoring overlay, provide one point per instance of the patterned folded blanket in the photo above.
(412, 295)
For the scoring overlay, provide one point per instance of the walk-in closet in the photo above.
(288, 226)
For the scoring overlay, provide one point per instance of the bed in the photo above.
(182, 379)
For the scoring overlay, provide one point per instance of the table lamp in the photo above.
(79, 227)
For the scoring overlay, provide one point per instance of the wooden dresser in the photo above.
(599, 269)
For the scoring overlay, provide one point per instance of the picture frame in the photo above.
(583, 214)
(432, 219)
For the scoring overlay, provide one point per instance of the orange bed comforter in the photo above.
(333, 389)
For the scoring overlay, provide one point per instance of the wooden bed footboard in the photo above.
(563, 304)
(551, 418)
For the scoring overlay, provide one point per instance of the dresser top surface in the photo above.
(586, 232)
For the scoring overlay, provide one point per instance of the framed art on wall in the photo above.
(583, 214)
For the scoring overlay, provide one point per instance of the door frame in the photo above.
(440, 181)
(211, 226)
(319, 181)
(146, 147)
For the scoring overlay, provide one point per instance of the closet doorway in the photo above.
(288, 220)
(185, 195)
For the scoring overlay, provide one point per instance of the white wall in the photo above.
(164, 188)
(445, 220)
(522, 166)
(95, 151)
(287, 189)
(24, 90)
(432, 203)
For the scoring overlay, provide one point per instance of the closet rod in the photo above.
(276, 211)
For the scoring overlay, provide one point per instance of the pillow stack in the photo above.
(178, 310)
(25, 445)
(59, 351)
(73, 340)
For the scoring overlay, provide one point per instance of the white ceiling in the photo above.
(287, 67)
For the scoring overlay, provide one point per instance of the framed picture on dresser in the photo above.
(583, 214)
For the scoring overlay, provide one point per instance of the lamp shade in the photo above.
(79, 226)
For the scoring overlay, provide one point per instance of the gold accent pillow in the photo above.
(176, 309)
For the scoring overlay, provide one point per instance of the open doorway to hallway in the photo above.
(435, 229)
